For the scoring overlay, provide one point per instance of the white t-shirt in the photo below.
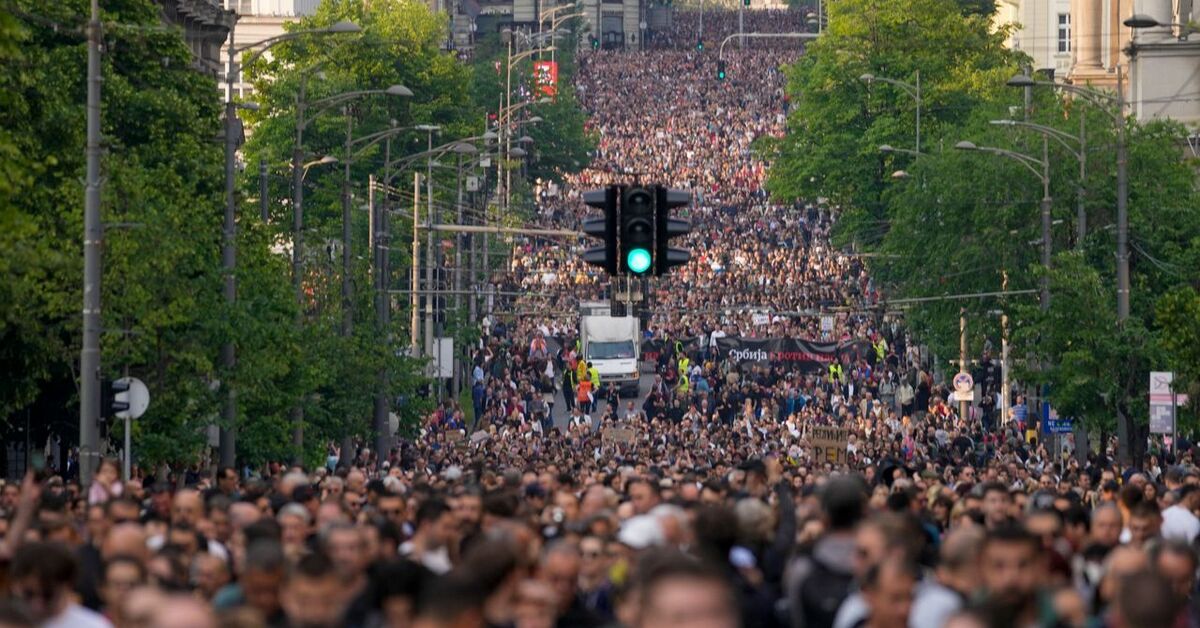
(76, 616)
(1179, 523)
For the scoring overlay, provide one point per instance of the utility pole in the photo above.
(228, 433)
(297, 255)
(458, 274)
(1004, 386)
(415, 330)
(379, 218)
(963, 404)
(93, 232)
(264, 192)
(347, 285)
(430, 259)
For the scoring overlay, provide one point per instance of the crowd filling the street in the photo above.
(839, 489)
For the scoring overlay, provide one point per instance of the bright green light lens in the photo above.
(638, 260)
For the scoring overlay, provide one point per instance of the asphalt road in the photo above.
(562, 415)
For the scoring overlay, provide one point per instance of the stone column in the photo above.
(1088, 19)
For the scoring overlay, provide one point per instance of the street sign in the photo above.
(137, 396)
(1162, 419)
(963, 395)
(963, 382)
(1052, 423)
(1160, 389)
(1163, 401)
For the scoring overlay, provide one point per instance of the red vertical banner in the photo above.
(545, 77)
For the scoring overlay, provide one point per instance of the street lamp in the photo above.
(303, 118)
(888, 148)
(1079, 150)
(913, 90)
(1141, 20)
(1103, 101)
(228, 435)
(1032, 164)
(347, 285)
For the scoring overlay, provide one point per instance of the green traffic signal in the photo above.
(700, 45)
(638, 261)
(720, 70)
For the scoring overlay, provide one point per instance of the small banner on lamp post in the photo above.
(545, 78)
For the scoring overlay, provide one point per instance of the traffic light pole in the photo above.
(743, 36)
(93, 232)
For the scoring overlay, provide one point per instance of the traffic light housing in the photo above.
(746, 3)
(604, 228)
(699, 45)
(720, 69)
(637, 230)
(666, 256)
(114, 397)
(595, 43)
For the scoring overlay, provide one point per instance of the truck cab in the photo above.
(613, 346)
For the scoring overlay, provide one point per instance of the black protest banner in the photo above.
(791, 353)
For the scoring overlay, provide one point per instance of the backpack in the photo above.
(821, 595)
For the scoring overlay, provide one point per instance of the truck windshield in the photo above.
(621, 350)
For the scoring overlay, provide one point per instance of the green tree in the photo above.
(837, 122)
(335, 376)
(162, 314)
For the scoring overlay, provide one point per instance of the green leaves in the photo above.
(968, 222)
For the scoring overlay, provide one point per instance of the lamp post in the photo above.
(430, 347)
(347, 160)
(506, 107)
(887, 148)
(298, 171)
(1103, 101)
(913, 90)
(228, 434)
(93, 232)
(1040, 169)
(1079, 150)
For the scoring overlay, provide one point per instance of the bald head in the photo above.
(1122, 561)
(187, 507)
(242, 514)
(183, 611)
(958, 562)
(125, 539)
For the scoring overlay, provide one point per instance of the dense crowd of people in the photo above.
(731, 494)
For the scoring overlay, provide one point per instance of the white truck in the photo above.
(613, 345)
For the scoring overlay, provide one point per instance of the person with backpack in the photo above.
(817, 583)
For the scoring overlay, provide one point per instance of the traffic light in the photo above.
(666, 256)
(114, 397)
(637, 230)
(746, 3)
(699, 45)
(604, 228)
(720, 69)
(595, 43)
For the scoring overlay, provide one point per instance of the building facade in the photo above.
(1042, 29)
(205, 24)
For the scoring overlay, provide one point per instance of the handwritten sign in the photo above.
(453, 436)
(618, 435)
(829, 443)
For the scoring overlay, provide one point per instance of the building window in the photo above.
(1064, 32)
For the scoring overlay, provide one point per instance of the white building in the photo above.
(1164, 64)
(258, 20)
(1043, 31)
